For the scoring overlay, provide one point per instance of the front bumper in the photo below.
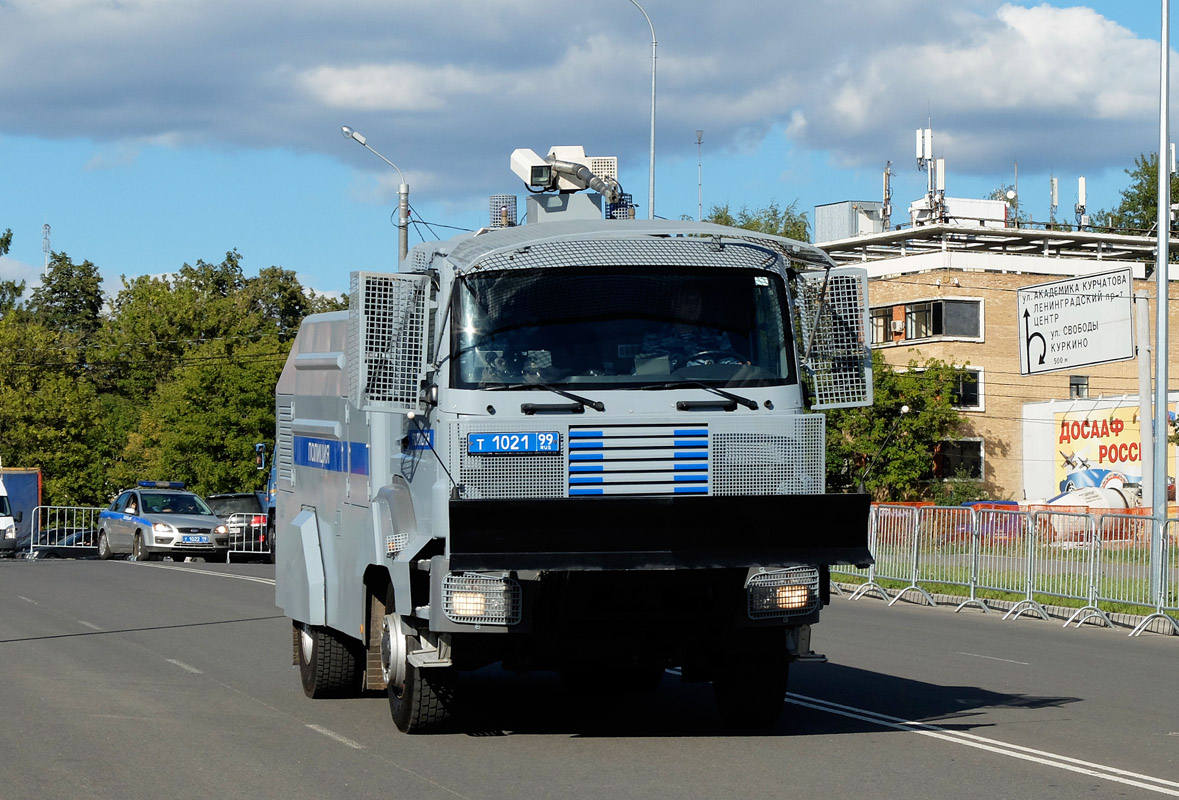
(625, 532)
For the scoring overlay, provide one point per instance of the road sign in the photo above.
(1077, 322)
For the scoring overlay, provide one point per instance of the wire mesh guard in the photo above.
(485, 599)
(387, 329)
(637, 252)
(834, 325)
(783, 593)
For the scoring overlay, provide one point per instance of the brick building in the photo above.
(949, 291)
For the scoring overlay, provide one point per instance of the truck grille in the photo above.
(741, 456)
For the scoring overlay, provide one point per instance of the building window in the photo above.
(962, 458)
(968, 392)
(919, 322)
(961, 318)
(1078, 387)
(881, 321)
(924, 320)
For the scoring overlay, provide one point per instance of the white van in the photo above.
(7, 523)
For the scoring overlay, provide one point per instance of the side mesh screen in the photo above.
(834, 327)
(387, 338)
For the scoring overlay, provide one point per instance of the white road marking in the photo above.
(1138, 780)
(89, 625)
(26, 599)
(995, 658)
(185, 667)
(344, 740)
(252, 578)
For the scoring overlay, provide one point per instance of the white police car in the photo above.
(160, 518)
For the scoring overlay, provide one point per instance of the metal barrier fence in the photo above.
(250, 537)
(63, 531)
(1099, 559)
(72, 532)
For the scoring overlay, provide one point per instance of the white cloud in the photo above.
(389, 87)
(451, 88)
(14, 270)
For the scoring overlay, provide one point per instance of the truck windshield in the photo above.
(613, 327)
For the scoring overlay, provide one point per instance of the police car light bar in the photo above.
(162, 484)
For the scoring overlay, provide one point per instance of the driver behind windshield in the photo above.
(686, 342)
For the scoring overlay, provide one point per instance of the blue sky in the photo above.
(153, 133)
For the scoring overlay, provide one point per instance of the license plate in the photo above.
(531, 442)
(194, 539)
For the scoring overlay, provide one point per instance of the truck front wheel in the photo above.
(421, 700)
(328, 667)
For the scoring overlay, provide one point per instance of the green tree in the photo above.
(49, 412)
(788, 222)
(10, 291)
(191, 365)
(1137, 212)
(201, 425)
(893, 452)
(70, 297)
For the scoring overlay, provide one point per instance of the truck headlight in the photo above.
(790, 592)
(472, 597)
(10, 532)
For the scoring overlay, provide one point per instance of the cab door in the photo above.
(120, 523)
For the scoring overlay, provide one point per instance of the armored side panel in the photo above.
(311, 460)
(833, 316)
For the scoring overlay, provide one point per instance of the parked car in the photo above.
(79, 544)
(245, 514)
(160, 518)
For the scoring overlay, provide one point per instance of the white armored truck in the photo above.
(582, 445)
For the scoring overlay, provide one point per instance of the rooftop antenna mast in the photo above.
(935, 170)
(886, 208)
(45, 245)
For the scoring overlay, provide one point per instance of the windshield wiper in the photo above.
(596, 405)
(736, 398)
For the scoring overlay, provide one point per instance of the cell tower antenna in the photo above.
(45, 245)
(935, 169)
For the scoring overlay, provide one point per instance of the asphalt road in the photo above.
(125, 680)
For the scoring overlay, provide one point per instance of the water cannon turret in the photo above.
(568, 169)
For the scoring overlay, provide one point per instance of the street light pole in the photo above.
(699, 178)
(1162, 269)
(402, 195)
(651, 169)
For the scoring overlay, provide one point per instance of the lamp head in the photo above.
(351, 134)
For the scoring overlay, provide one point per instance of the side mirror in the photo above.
(18, 516)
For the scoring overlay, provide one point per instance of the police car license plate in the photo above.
(531, 442)
(193, 539)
